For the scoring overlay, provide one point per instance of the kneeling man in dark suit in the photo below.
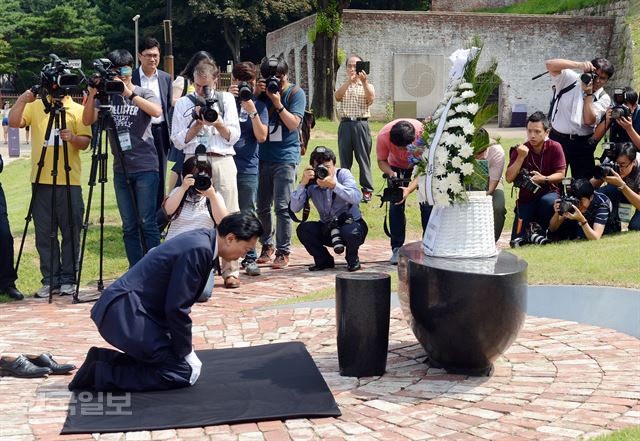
(145, 313)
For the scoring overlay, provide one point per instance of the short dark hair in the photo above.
(244, 71)
(322, 154)
(582, 188)
(282, 69)
(628, 150)
(148, 43)
(243, 224)
(402, 133)
(191, 164)
(631, 95)
(120, 58)
(196, 58)
(539, 117)
(604, 65)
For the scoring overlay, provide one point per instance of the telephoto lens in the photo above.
(245, 92)
(336, 240)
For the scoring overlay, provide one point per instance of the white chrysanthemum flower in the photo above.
(458, 100)
(462, 108)
(468, 129)
(441, 199)
(456, 162)
(466, 151)
(451, 113)
(467, 168)
(467, 94)
(465, 86)
(473, 108)
(440, 169)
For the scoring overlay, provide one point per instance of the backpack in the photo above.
(307, 122)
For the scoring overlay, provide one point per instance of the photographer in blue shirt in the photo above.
(336, 196)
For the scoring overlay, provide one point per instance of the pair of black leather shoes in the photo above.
(12, 292)
(324, 266)
(24, 366)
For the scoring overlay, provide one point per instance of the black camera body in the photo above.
(610, 152)
(272, 81)
(207, 111)
(588, 77)
(524, 181)
(245, 91)
(604, 169)
(393, 192)
(334, 231)
(320, 171)
(201, 178)
(620, 111)
(107, 85)
(56, 78)
(566, 204)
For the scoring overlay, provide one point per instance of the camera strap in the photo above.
(553, 106)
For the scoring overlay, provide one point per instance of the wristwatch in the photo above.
(132, 96)
(253, 115)
(280, 109)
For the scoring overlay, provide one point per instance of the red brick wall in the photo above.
(468, 5)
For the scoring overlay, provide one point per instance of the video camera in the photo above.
(524, 181)
(393, 193)
(207, 111)
(56, 79)
(567, 198)
(620, 108)
(104, 79)
(202, 179)
(272, 81)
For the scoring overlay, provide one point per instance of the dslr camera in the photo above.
(207, 110)
(524, 181)
(272, 81)
(620, 109)
(567, 200)
(334, 231)
(104, 78)
(320, 172)
(393, 192)
(245, 91)
(588, 77)
(202, 179)
(56, 79)
(611, 151)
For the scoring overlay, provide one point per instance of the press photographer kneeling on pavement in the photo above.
(336, 196)
(581, 213)
(535, 167)
(620, 169)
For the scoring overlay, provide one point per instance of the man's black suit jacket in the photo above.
(166, 93)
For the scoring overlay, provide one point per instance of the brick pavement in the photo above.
(560, 380)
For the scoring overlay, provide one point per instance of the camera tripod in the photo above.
(99, 157)
(57, 121)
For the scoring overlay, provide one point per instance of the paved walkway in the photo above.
(560, 380)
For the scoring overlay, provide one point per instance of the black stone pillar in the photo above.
(363, 302)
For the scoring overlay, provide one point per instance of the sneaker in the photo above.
(394, 257)
(281, 261)
(366, 196)
(68, 289)
(43, 293)
(265, 255)
(251, 268)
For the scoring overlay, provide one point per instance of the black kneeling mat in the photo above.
(270, 382)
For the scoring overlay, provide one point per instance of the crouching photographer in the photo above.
(535, 167)
(620, 169)
(581, 213)
(621, 120)
(336, 196)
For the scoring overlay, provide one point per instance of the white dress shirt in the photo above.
(208, 135)
(153, 84)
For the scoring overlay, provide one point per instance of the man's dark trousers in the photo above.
(315, 236)
(354, 139)
(7, 273)
(578, 153)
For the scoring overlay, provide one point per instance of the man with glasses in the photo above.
(579, 103)
(150, 77)
(624, 187)
(624, 128)
(354, 97)
(132, 113)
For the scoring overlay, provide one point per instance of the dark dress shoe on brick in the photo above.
(46, 360)
(322, 266)
(12, 292)
(354, 267)
(21, 367)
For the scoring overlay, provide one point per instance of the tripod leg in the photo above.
(53, 228)
(103, 179)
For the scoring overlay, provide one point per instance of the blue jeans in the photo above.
(275, 185)
(145, 189)
(247, 194)
(617, 197)
(539, 210)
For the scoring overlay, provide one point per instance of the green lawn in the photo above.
(611, 261)
(544, 6)
(628, 434)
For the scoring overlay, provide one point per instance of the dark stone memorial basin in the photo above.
(464, 312)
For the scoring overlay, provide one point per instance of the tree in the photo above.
(325, 49)
(244, 21)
